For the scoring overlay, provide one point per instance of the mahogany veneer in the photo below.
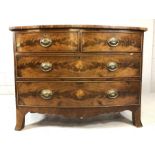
(78, 71)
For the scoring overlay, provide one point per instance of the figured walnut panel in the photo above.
(98, 41)
(61, 41)
(79, 66)
(78, 94)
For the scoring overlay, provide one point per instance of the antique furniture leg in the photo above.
(136, 117)
(20, 119)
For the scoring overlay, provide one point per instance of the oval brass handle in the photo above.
(113, 42)
(45, 42)
(46, 66)
(46, 94)
(112, 94)
(112, 66)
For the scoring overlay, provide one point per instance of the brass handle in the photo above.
(113, 42)
(112, 66)
(112, 94)
(46, 94)
(46, 66)
(45, 42)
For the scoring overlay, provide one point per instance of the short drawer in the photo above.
(112, 41)
(78, 94)
(47, 42)
(99, 66)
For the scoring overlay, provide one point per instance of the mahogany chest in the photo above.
(77, 71)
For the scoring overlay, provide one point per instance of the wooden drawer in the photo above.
(47, 41)
(112, 41)
(99, 66)
(78, 94)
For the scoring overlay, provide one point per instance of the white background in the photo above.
(64, 140)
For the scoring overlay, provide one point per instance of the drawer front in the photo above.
(111, 42)
(107, 65)
(78, 94)
(47, 42)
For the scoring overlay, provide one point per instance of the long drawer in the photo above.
(78, 94)
(98, 66)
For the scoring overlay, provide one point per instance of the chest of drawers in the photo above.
(77, 71)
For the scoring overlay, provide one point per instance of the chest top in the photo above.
(18, 28)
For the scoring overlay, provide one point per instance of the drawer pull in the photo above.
(113, 42)
(46, 66)
(46, 94)
(45, 42)
(112, 94)
(112, 66)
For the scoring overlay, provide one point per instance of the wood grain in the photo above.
(79, 66)
(79, 79)
(108, 27)
(61, 41)
(65, 94)
(98, 41)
